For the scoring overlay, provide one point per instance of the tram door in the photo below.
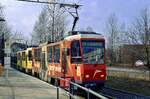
(43, 61)
(43, 66)
(64, 61)
(64, 68)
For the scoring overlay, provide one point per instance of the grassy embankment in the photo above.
(131, 85)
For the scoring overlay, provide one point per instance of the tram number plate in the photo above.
(78, 71)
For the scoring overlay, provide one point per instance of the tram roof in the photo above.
(83, 34)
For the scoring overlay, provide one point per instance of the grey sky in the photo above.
(21, 16)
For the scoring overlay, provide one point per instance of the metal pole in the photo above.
(57, 90)
(70, 91)
(53, 19)
(6, 73)
(88, 94)
(3, 48)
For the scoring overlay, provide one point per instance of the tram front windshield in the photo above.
(93, 52)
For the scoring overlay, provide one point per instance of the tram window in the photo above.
(35, 54)
(18, 56)
(75, 52)
(30, 55)
(93, 52)
(56, 54)
(39, 54)
(23, 56)
(49, 57)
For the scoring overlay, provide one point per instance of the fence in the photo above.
(136, 74)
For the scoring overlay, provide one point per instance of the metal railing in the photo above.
(88, 91)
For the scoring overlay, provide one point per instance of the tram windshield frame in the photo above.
(93, 51)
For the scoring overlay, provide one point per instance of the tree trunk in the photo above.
(147, 57)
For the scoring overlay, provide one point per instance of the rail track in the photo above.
(120, 94)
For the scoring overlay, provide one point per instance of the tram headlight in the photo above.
(87, 76)
(102, 76)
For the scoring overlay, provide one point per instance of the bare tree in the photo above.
(112, 28)
(140, 33)
(50, 26)
(57, 22)
(4, 34)
(17, 37)
(40, 28)
(5, 30)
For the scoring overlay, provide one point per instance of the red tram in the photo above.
(79, 56)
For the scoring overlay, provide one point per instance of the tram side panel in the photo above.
(43, 63)
(36, 60)
(58, 63)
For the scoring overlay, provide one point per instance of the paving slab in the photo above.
(22, 86)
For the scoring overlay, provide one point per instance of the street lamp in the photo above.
(2, 47)
(5, 51)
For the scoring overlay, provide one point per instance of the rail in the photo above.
(120, 94)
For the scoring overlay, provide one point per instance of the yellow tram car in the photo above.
(26, 60)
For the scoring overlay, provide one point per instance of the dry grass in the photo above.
(131, 85)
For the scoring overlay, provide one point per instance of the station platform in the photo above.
(18, 85)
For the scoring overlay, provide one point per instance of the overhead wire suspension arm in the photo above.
(74, 14)
(45, 2)
(62, 5)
